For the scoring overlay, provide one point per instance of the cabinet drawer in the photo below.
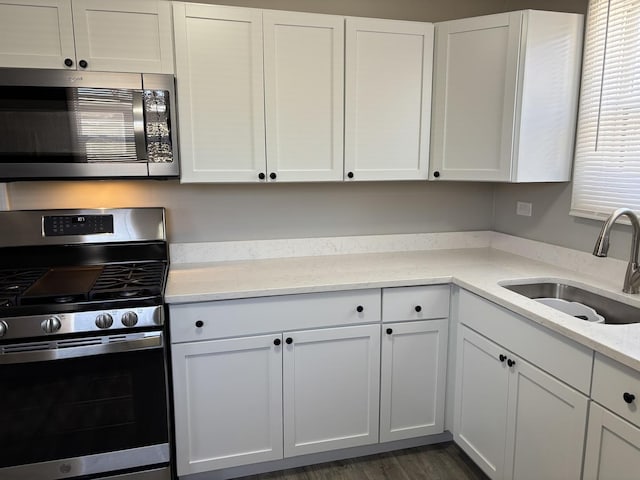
(611, 381)
(565, 359)
(253, 316)
(415, 303)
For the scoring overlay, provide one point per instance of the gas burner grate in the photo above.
(129, 280)
(15, 281)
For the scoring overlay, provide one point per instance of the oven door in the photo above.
(83, 407)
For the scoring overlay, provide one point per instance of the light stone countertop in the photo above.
(479, 270)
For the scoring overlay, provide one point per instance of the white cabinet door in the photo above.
(228, 402)
(36, 33)
(613, 447)
(481, 401)
(474, 97)
(123, 35)
(515, 421)
(546, 426)
(505, 97)
(412, 385)
(387, 99)
(331, 388)
(304, 85)
(220, 87)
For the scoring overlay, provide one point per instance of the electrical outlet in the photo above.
(524, 209)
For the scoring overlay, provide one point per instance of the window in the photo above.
(607, 159)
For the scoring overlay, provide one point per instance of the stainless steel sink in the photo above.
(614, 312)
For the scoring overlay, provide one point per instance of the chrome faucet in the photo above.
(632, 277)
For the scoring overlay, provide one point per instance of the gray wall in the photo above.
(421, 10)
(238, 212)
(266, 211)
(550, 220)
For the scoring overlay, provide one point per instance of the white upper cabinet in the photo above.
(220, 87)
(36, 33)
(261, 94)
(119, 35)
(304, 78)
(505, 97)
(123, 35)
(388, 99)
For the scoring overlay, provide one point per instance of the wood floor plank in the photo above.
(444, 461)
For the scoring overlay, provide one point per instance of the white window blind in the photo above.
(607, 159)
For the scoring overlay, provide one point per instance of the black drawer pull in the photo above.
(199, 323)
(389, 331)
(511, 363)
(418, 308)
(360, 309)
(277, 342)
(502, 357)
(289, 340)
(628, 397)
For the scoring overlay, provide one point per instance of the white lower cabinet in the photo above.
(228, 402)
(514, 420)
(331, 382)
(613, 438)
(482, 385)
(253, 399)
(613, 447)
(412, 388)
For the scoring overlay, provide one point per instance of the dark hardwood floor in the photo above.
(444, 461)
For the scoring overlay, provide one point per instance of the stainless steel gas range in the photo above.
(83, 361)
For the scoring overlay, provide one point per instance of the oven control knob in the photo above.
(51, 325)
(104, 320)
(129, 319)
(3, 328)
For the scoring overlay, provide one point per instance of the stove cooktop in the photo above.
(61, 285)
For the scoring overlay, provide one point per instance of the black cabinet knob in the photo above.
(289, 340)
(272, 175)
(418, 308)
(511, 363)
(628, 397)
(277, 342)
(199, 323)
(389, 331)
(68, 62)
(359, 309)
(83, 64)
(262, 176)
(502, 357)
(350, 174)
(436, 174)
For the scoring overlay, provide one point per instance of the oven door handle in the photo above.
(149, 341)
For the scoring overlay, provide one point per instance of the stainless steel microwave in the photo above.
(58, 124)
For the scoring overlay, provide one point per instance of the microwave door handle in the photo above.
(138, 125)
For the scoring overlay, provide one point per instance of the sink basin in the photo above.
(614, 312)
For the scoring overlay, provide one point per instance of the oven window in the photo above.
(82, 406)
(66, 125)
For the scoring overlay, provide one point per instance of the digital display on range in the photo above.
(58, 225)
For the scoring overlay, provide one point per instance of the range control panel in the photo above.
(58, 225)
